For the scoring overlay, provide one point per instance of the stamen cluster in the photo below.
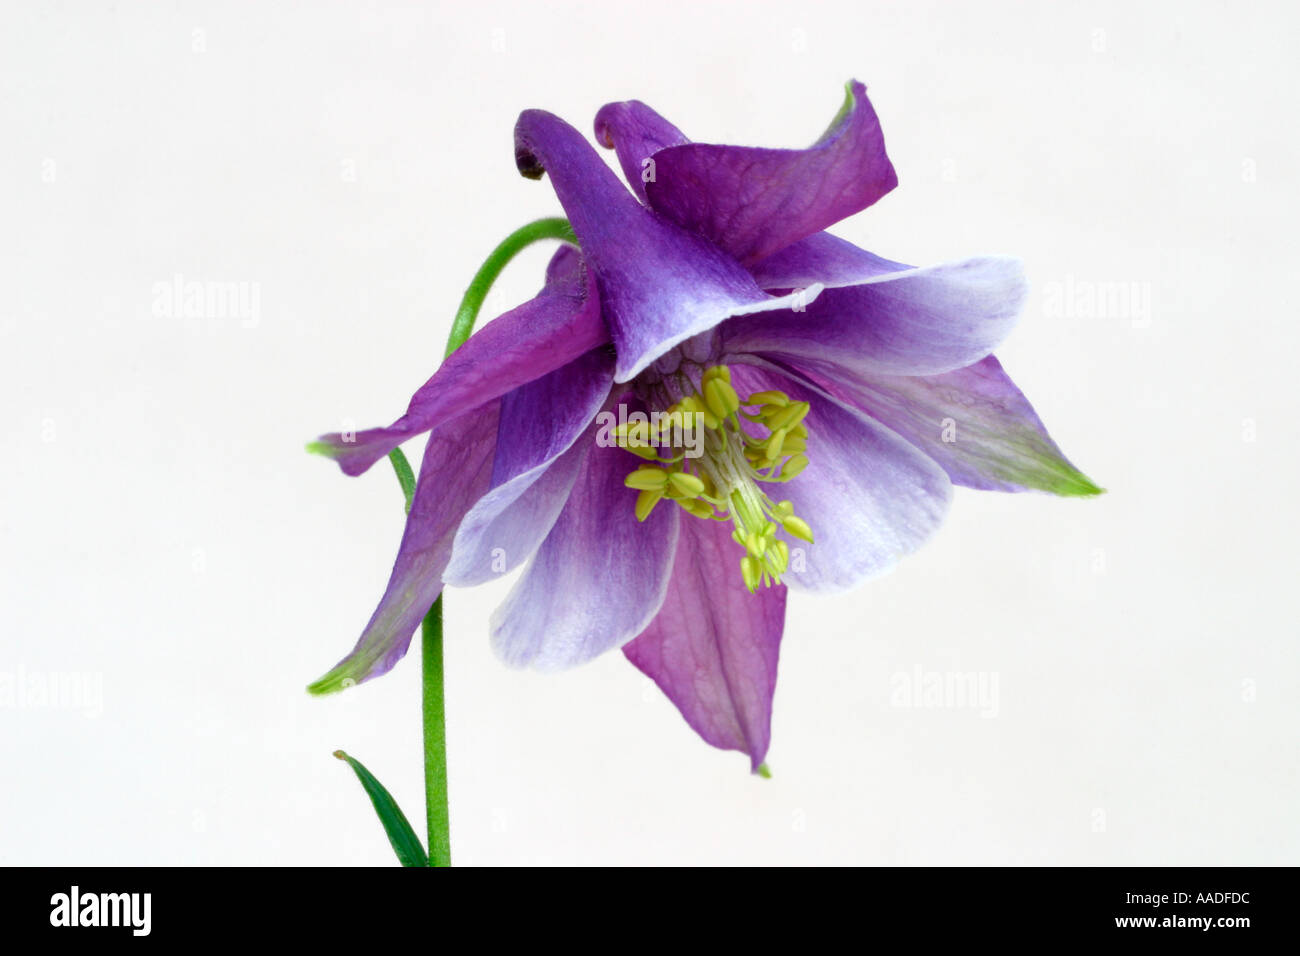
(758, 440)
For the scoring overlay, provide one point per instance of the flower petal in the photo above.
(508, 524)
(597, 580)
(713, 646)
(659, 284)
(535, 468)
(869, 496)
(973, 421)
(821, 258)
(752, 202)
(546, 332)
(636, 133)
(455, 471)
(912, 322)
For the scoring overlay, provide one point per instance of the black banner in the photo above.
(1173, 906)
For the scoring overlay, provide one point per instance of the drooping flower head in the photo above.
(710, 400)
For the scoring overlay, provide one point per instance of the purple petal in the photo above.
(659, 284)
(869, 496)
(752, 202)
(821, 258)
(508, 524)
(973, 421)
(535, 468)
(713, 646)
(636, 133)
(599, 577)
(541, 335)
(915, 322)
(455, 471)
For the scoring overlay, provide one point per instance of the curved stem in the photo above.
(511, 245)
(434, 705)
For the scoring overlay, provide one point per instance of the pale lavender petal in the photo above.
(535, 468)
(973, 421)
(557, 326)
(597, 580)
(659, 284)
(636, 133)
(914, 322)
(869, 496)
(507, 525)
(455, 471)
(713, 646)
(821, 258)
(752, 202)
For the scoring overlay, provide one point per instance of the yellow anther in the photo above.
(774, 444)
(755, 544)
(779, 399)
(720, 397)
(631, 431)
(700, 509)
(793, 444)
(645, 503)
(716, 371)
(787, 417)
(793, 466)
(642, 451)
(798, 527)
(751, 571)
(686, 484)
(693, 404)
(780, 556)
(647, 479)
(801, 430)
(783, 510)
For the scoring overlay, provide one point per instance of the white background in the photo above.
(163, 531)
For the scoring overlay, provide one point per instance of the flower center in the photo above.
(745, 444)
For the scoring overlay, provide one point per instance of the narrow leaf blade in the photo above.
(407, 846)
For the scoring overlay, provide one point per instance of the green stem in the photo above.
(463, 324)
(434, 704)
(435, 739)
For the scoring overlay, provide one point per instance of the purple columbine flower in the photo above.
(712, 400)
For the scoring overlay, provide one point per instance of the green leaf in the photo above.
(407, 846)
